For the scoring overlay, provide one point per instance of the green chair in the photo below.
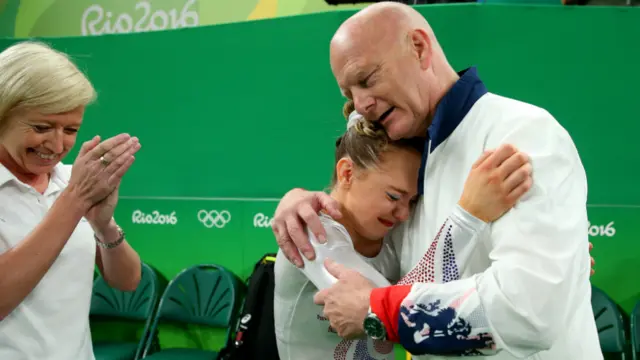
(110, 304)
(201, 295)
(609, 322)
(635, 331)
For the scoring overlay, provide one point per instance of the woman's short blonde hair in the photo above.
(33, 76)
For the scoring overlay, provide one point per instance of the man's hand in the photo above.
(496, 182)
(297, 210)
(346, 303)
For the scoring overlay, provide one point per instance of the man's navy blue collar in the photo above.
(453, 107)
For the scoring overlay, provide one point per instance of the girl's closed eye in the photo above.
(393, 197)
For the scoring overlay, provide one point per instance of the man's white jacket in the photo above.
(521, 290)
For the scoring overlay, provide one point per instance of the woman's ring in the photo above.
(104, 161)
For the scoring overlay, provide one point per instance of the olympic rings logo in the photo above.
(214, 218)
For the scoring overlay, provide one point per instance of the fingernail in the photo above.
(297, 262)
(322, 239)
(308, 254)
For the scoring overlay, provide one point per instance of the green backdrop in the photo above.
(23, 18)
(233, 116)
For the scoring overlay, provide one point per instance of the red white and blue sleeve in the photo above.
(411, 313)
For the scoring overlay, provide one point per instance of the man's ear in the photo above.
(344, 172)
(422, 47)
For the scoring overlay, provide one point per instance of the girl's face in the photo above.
(377, 199)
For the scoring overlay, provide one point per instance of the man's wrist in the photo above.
(374, 327)
(386, 303)
(377, 310)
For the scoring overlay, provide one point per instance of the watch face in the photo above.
(374, 328)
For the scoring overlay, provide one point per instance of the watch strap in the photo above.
(110, 245)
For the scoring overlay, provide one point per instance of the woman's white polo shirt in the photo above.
(53, 320)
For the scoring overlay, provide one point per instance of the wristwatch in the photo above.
(374, 327)
(111, 245)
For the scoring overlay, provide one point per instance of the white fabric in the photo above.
(449, 251)
(527, 280)
(301, 330)
(53, 320)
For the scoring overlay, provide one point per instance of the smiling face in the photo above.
(375, 199)
(35, 143)
(44, 95)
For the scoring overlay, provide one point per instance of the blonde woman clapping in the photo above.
(56, 220)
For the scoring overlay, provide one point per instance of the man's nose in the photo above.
(364, 104)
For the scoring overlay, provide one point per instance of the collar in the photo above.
(453, 107)
(57, 176)
(5, 175)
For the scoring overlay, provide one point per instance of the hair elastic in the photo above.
(354, 117)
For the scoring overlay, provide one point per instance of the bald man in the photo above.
(524, 292)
